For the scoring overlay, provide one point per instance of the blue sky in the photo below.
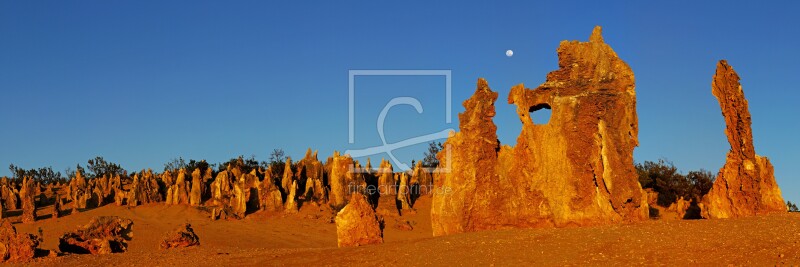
(142, 82)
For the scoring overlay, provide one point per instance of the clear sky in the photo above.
(142, 82)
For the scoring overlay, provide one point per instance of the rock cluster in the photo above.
(746, 185)
(181, 238)
(77, 192)
(311, 172)
(357, 224)
(177, 192)
(575, 170)
(245, 194)
(102, 235)
(145, 188)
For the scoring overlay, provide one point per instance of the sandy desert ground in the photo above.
(309, 238)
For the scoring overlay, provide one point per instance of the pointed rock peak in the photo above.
(723, 69)
(597, 35)
(482, 84)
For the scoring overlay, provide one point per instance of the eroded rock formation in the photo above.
(9, 194)
(472, 163)
(288, 176)
(575, 170)
(221, 187)
(238, 201)
(291, 198)
(357, 224)
(182, 237)
(403, 192)
(421, 178)
(746, 185)
(135, 191)
(270, 195)
(27, 196)
(178, 193)
(197, 185)
(340, 178)
(78, 192)
(312, 170)
(16, 247)
(386, 182)
(102, 235)
(56, 208)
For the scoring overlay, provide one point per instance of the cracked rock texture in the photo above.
(357, 224)
(575, 170)
(746, 185)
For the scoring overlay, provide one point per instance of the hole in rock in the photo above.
(540, 114)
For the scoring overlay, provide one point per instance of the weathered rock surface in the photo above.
(386, 183)
(102, 235)
(245, 194)
(197, 184)
(222, 187)
(270, 198)
(27, 196)
(9, 195)
(77, 192)
(746, 185)
(56, 208)
(357, 224)
(119, 196)
(148, 188)
(16, 247)
(178, 193)
(312, 170)
(288, 176)
(403, 192)
(291, 198)
(472, 166)
(143, 189)
(575, 170)
(181, 238)
(422, 178)
(340, 179)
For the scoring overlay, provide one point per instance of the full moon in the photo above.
(509, 53)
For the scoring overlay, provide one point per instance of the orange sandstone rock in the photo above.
(180, 238)
(102, 235)
(357, 224)
(196, 193)
(342, 180)
(746, 185)
(387, 185)
(575, 170)
(310, 172)
(16, 247)
(26, 195)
